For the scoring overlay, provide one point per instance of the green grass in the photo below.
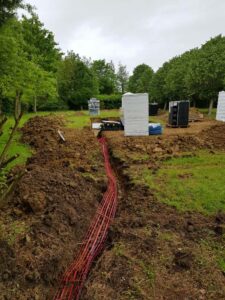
(191, 183)
(74, 120)
(157, 119)
(205, 112)
(81, 119)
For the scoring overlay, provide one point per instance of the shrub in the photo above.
(110, 101)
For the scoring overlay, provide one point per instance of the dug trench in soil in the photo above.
(50, 211)
(94, 241)
(155, 251)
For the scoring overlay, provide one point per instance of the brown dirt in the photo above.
(41, 228)
(154, 251)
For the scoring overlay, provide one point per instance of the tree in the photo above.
(40, 44)
(140, 81)
(13, 63)
(43, 91)
(197, 75)
(76, 82)
(205, 77)
(122, 78)
(8, 9)
(29, 59)
(105, 75)
(158, 92)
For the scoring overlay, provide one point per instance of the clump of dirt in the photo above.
(215, 136)
(164, 253)
(50, 211)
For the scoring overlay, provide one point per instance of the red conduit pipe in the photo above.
(74, 278)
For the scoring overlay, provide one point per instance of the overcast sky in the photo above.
(132, 31)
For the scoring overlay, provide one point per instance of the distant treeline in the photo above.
(33, 69)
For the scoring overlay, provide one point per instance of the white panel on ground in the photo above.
(220, 115)
(135, 109)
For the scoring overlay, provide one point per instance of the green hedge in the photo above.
(110, 101)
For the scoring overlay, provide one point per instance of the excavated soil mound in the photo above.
(51, 209)
(215, 136)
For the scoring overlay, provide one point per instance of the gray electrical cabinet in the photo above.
(94, 107)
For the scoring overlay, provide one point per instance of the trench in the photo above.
(75, 276)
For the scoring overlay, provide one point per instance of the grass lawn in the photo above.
(191, 183)
(81, 119)
(205, 112)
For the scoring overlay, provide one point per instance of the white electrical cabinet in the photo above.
(135, 114)
(220, 114)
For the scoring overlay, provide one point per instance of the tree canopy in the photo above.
(141, 79)
(8, 9)
(122, 78)
(198, 75)
(105, 75)
(76, 82)
(33, 68)
(29, 60)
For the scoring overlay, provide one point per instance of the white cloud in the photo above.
(132, 31)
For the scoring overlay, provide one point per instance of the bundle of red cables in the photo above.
(74, 278)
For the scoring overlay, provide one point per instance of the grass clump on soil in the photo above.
(191, 183)
(119, 249)
(217, 253)
(149, 272)
(12, 231)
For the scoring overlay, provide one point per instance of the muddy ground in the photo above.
(154, 251)
(50, 211)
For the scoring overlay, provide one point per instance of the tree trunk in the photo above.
(35, 104)
(8, 143)
(17, 112)
(210, 107)
(123, 88)
(194, 103)
(17, 116)
(165, 106)
(0, 105)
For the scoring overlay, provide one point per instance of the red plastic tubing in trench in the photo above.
(74, 278)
